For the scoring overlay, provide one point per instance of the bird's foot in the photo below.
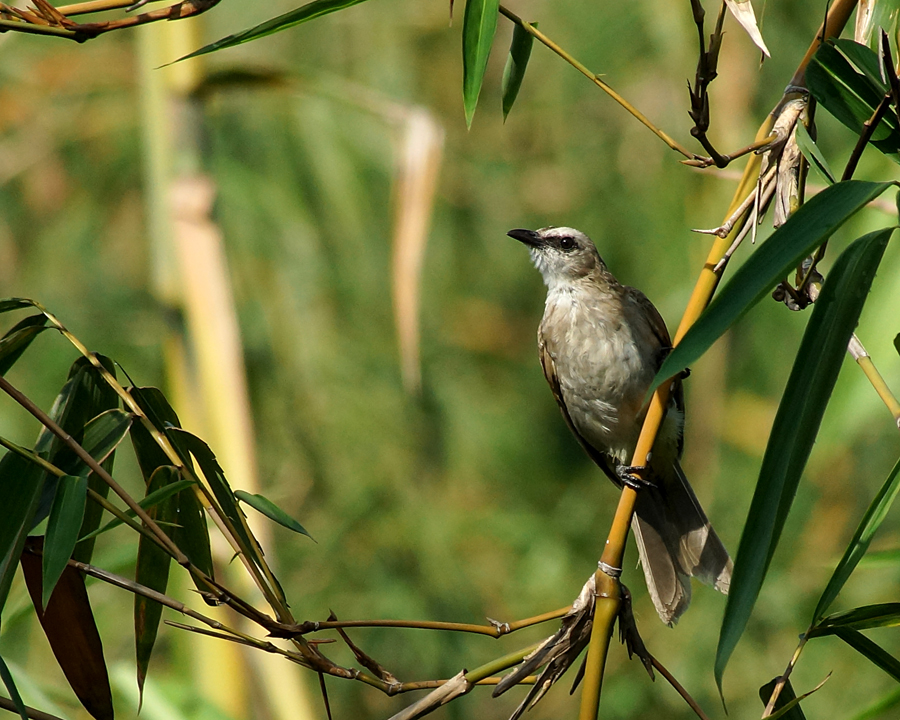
(633, 477)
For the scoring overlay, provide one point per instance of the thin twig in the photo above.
(679, 688)
(593, 77)
(31, 712)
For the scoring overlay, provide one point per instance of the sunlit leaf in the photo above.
(812, 153)
(816, 367)
(516, 63)
(152, 571)
(870, 523)
(302, 14)
(769, 264)
(68, 623)
(13, 691)
(63, 527)
(17, 340)
(479, 26)
(271, 511)
(874, 652)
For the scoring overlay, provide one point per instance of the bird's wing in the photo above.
(602, 460)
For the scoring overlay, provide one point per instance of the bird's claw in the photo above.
(632, 476)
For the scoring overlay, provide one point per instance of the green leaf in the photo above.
(13, 691)
(152, 570)
(17, 340)
(20, 487)
(769, 264)
(871, 651)
(870, 523)
(479, 26)
(192, 533)
(787, 705)
(845, 78)
(897, 343)
(271, 511)
(63, 526)
(812, 153)
(879, 707)
(9, 304)
(516, 63)
(302, 14)
(152, 499)
(808, 390)
(215, 477)
(861, 618)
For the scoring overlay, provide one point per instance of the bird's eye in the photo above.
(567, 243)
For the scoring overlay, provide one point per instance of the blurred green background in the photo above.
(467, 498)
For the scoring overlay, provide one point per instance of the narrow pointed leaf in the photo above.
(816, 367)
(20, 487)
(13, 691)
(861, 618)
(63, 527)
(812, 153)
(9, 304)
(215, 477)
(271, 511)
(870, 650)
(846, 80)
(152, 570)
(858, 546)
(897, 343)
(307, 12)
(17, 340)
(769, 264)
(516, 63)
(479, 26)
(68, 623)
(192, 533)
(787, 705)
(153, 499)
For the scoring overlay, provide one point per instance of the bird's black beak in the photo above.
(529, 237)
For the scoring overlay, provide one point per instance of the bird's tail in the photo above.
(676, 541)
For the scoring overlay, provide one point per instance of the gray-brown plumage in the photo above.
(600, 345)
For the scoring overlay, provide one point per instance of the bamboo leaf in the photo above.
(271, 511)
(858, 546)
(787, 705)
(10, 304)
(812, 153)
(303, 14)
(63, 527)
(516, 64)
(845, 78)
(861, 618)
(479, 26)
(805, 230)
(808, 390)
(17, 340)
(152, 499)
(20, 492)
(870, 650)
(152, 570)
(742, 11)
(192, 533)
(68, 623)
(13, 691)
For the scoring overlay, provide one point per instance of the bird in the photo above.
(600, 345)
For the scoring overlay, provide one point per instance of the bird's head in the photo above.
(562, 254)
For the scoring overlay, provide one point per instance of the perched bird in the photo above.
(600, 344)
